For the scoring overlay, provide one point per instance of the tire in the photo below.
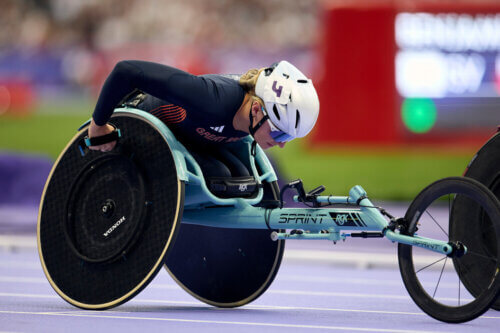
(453, 289)
(485, 168)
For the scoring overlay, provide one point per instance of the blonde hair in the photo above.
(248, 81)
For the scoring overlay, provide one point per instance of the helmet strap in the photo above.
(253, 129)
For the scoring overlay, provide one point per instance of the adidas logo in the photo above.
(218, 129)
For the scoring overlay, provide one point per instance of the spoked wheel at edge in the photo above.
(463, 285)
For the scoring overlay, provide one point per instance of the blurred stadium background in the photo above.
(409, 90)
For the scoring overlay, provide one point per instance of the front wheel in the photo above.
(455, 288)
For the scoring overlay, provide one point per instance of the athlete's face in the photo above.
(263, 134)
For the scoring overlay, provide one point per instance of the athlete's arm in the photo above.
(164, 82)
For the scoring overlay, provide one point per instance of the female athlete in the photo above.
(274, 105)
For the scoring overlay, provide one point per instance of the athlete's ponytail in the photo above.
(248, 82)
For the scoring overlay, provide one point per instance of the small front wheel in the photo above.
(459, 287)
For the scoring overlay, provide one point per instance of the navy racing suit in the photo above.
(199, 110)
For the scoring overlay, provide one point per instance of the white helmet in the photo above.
(290, 99)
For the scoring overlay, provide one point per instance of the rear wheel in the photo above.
(226, 267)
(455, 288)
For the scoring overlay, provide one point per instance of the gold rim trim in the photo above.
(148, 276)
(244, 301)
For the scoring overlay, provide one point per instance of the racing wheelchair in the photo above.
(109, 222)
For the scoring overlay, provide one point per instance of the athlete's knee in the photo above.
(216, 169)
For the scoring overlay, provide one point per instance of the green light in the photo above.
(419, 114)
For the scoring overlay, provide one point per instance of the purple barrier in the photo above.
(22, 178)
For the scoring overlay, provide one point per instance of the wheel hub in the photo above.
(458, 249)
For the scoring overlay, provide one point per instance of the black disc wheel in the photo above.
(226, 267)
(108, 220)
(463, 285)
(485, 168)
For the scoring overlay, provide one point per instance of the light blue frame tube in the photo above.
(356, 218)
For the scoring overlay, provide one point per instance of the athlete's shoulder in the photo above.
(229, 79)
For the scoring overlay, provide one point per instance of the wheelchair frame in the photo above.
(358, 213)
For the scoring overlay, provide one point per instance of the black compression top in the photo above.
(198, 109)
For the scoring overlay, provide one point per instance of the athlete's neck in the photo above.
(241, 120)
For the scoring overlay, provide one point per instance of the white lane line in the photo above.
(22, 279)
(20, 264)
(356, 259)
(333, 294)
(357, 295)
(442, 285)
(249, 306)
(346, 280)
(17, 242)
(332, 279)
(11, 279)
(270, 291)
(305, 293)
(27, 295)
(279, 307)
(241, 323)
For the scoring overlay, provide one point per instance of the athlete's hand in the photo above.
(96, 130)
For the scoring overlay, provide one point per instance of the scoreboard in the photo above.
(425, 74)
(448, 70)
